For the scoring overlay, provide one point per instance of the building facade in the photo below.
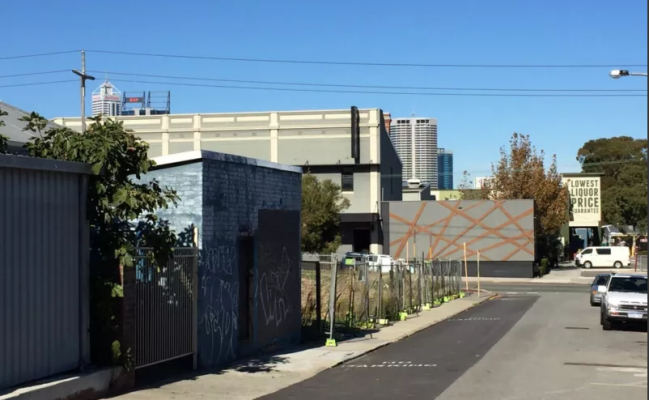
(585, 211)
(415, 140)
(318, 141)
(444, 169)
(246, 214)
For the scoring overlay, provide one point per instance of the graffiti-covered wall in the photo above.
(247, 213)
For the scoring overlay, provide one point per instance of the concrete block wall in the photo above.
(234, 197)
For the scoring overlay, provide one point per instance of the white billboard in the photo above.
(585, 200)
(479, 182)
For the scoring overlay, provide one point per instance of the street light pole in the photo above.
(618, 73)
(83, 76)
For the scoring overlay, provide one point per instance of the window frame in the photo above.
(347, 185)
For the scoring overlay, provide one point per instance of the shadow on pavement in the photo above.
(157, 376)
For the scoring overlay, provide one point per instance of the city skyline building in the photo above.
(106, 100)
(415, 140)
(444, 169)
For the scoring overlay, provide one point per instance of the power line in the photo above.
(39, 55)
(361, 86)
(35, 73)
(365, 64)
(375, 92)
(38, 83)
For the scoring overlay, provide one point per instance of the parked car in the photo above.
(617, 257)
(595, 295)
(624, 300)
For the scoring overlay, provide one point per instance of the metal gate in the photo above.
(166, 307)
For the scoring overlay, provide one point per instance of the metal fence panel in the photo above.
(641, 263)
(359, 295)
(165, 307)
(42, 264)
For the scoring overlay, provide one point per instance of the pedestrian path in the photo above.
(257, 377)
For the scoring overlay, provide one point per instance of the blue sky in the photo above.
(451, 32)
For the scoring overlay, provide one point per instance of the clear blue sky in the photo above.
(426, 31)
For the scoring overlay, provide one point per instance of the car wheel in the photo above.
(588, 264)
(593, 304)
(607, 325)
(617, 265)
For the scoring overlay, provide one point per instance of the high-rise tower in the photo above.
(107, 100)
(415, 140)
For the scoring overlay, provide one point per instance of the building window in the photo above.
(347, 181)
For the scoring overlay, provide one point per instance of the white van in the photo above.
(614, 256)
(382, 261)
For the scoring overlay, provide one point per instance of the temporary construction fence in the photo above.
(640, 263)
(357, 294)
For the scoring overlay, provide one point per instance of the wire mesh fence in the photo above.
(641, 263)
(356, 293)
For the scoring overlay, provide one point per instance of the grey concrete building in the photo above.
(319, 141)
(247, 216)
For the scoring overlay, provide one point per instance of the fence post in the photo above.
(478, 272)
(318, 298)
(195, 308)
(331, 342)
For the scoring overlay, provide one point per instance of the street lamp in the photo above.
(618, 73)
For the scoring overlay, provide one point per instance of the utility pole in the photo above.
(83, 76)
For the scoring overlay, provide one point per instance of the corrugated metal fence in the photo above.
(44, 268)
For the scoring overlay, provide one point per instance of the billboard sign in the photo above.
(106, 97)
(585, 200)
(135, 99)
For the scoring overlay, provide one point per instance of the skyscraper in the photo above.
(415, 140)
(106, 100)
(444, 169)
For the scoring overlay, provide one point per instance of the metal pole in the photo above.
(83, 77)
(83, 92)
(478, 273)
(466, 270)
(332, 302)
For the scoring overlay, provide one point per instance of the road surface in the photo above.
(518, 347)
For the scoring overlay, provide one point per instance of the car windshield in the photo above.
(601, 280)
(628, 285)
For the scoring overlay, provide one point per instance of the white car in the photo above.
(614, 256)
(624, 300)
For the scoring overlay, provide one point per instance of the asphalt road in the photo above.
(517, 347)
(559, 351)
(419, 367)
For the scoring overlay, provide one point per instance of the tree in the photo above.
(623, 161)
(521, 174)
(322, 203)
(468, 192)
(114, 201)
(4, 145)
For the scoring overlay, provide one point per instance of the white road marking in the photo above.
(391, 364)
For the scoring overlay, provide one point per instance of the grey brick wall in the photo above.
(233, 195)
(223, 198)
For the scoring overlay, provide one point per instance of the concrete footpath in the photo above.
(253, 378)
(562, 275)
